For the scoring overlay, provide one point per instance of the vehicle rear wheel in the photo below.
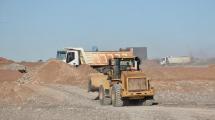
(104, 100)
(116, 96)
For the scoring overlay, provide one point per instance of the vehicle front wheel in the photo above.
(116, 96)
(148, 101)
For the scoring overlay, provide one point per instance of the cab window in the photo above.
(70, 57)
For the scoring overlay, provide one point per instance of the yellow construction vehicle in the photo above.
(125, 82)
(119, 79)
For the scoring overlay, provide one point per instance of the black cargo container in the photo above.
(141, 52)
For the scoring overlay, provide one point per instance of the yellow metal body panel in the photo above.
(131, 74)
(101, 58)
(106, 84)
(137, 95)
(125, 76)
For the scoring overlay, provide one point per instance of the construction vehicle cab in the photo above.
(125, 82)
(70, 56)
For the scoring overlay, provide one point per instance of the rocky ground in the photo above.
(55, 91)
(63, 102)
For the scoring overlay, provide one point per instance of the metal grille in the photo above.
(136, 84)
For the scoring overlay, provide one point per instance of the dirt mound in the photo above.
(180, 73)
(9, 75)
(14, 66)
(59, 72)
(10, 91)
(5, 61)
(31, 64)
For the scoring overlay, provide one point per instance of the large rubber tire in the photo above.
(133, 102)
(116, 96)
(104, 100)
(148, 101)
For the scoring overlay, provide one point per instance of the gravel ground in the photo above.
(63, 102)
(58, 102)
(185, 92)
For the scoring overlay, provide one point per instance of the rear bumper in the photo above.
(137, 95)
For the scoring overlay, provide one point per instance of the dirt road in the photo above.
(65, 102)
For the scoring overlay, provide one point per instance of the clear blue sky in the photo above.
(35, 29)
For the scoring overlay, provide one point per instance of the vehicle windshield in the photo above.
(126, 64)
(61, 55)
(163, 59)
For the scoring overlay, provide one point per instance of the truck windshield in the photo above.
(163, 59)
(126, 64)
(61, 55)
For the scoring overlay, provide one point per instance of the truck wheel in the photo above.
(116, 96)
(89, 87)
(148, 101)
(104, 100)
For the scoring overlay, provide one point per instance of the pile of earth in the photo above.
(180, 73)
(9, 75)
(31, 64)
(4, 61)
(10, 91)
(59, 72)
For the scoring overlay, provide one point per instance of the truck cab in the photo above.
(164, 61)
(69, 56)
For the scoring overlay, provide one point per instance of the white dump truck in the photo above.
(169, 60)
(96, 59)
